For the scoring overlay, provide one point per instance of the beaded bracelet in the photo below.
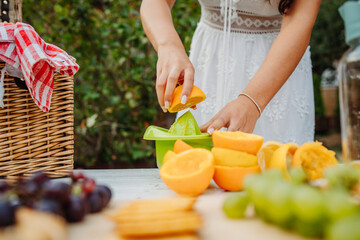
(257, 105)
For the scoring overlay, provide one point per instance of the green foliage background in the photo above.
(114, 89)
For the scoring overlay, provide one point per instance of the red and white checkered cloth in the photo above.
(25, 50)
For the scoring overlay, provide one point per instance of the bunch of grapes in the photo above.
(326, 208)
(71, 201)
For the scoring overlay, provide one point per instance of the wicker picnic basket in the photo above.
(32, 140)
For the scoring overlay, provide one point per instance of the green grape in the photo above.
(339, 205)
(342, 176)
(309, 229)
(273, 175)
(345, 229)
(258, 192)
(250, 180)
(279, 203)
(308, 204)
(235, 205)
(297, 175)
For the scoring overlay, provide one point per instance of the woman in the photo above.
(255, 48)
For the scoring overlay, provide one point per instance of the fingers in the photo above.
(204, 127)
(188, 84)
(170, 86)
(242, 125)
(181, 78)
(160, 88)
(217, 124)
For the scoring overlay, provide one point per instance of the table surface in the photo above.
(131, 184)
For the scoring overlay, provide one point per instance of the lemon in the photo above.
(265, 153)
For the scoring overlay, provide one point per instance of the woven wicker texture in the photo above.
(32, 140)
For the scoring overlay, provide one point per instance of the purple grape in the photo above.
(50, 206)
(75, 177)
(75, 210)
(28, 192)
(106, 193)
(4, 187)
(7, 214)
(39, 178)
(57, 190)
(95, 200)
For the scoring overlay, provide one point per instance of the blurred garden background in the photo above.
(114, 89)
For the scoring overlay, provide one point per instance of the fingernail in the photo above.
(167, 105)
(184, 99)
(210, 131)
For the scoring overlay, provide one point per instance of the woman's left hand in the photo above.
(240, 114)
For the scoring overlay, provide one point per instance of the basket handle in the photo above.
(5, 7)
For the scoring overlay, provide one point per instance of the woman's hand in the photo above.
(173, 66)
(240, 114)
(173, 63)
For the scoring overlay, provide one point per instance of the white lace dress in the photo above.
(226, 58)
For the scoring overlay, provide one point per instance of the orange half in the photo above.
(232, 178)
(196, 96)
(313, 157)
(232, 158)
(169, 155)
(181, 146)
(189, 173)
(239, 141)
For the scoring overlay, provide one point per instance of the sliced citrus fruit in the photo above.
(185, 125)
(232, 158)
(239, 141)
(189, 173)
(168, 156)
(231, 178)
(265, 153)
(282, 157)
(181, 146)
(313, 157)
(196, 96)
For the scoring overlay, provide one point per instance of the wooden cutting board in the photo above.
(216, 225)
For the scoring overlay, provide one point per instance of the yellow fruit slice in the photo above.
(313, 157)
(232, 178)
(265, 153)
(189, 173)
(196, 96)
(168, 156)
(232, 158)
(282, 157)
(239, 141)
(181, 146)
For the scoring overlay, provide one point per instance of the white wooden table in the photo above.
(130, 184)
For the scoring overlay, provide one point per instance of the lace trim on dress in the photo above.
(241, 22)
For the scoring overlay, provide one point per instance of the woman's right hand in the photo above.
(173, 66)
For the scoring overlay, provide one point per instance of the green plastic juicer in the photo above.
(165, 139)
